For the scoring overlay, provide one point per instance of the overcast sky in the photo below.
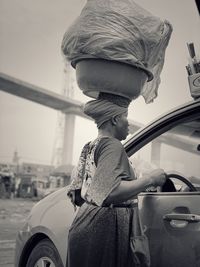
(31, 33)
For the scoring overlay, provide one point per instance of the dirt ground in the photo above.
(13, 213)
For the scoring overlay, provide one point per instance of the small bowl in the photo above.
(100, 75)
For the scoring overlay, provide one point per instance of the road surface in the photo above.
(7, 253)
(13, 213)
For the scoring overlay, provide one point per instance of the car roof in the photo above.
(162, 119)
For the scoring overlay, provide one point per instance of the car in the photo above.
(170, 216)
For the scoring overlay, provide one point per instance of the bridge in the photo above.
(68, 106)
(72, 108)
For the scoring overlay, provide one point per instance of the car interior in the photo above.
(177, 151)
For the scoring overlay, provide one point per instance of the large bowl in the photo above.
(99, 75)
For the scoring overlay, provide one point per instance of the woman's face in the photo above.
(122, 126)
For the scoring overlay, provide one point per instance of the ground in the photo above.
(13, 213)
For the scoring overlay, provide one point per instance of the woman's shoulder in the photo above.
(107, 141)
(108, 145)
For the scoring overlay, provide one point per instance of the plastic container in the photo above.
(99, 75)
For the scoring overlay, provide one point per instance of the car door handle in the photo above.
(182, 217)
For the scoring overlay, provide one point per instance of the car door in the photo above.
(171, 220)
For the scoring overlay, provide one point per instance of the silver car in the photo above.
(170, 215)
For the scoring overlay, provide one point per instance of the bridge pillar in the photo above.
(68, 140)
(155, 153)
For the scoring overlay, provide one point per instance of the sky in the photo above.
(31, 34)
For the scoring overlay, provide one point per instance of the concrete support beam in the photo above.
(68, 141)
(155, 152)
(36, 94)
(47, 98)
(181, 142)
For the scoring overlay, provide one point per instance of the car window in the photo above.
(175, 151)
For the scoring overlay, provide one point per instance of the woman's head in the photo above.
(109, 116)
(120, 126)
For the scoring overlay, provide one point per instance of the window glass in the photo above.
(177, 150)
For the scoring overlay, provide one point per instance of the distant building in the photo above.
(35, 180)
(38, 170)
(7, 167)
(61, 175)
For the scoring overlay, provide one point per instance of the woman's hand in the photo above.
(157, 177)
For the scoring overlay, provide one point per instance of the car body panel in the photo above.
(52, 216)
(173, 242)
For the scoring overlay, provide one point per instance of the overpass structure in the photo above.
(68, 106)
(72, 108)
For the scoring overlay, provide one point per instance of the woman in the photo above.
(101, 233)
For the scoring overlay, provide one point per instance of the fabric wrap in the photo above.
(102, 110)
(123, 31)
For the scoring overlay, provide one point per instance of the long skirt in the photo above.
(100, 237)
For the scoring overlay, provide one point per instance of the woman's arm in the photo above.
(129, 189)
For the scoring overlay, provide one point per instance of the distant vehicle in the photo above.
(53, 184)
(25, 188)
(31, 186)
(171, 219)
(45, 190)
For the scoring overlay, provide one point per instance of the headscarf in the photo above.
(102, 110)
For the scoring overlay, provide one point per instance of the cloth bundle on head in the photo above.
(120, 31)
(102, 110)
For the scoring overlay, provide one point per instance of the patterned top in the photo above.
(102, 165)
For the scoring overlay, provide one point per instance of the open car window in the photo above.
(176, 151)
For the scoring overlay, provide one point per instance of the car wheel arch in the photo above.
(30, 245)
